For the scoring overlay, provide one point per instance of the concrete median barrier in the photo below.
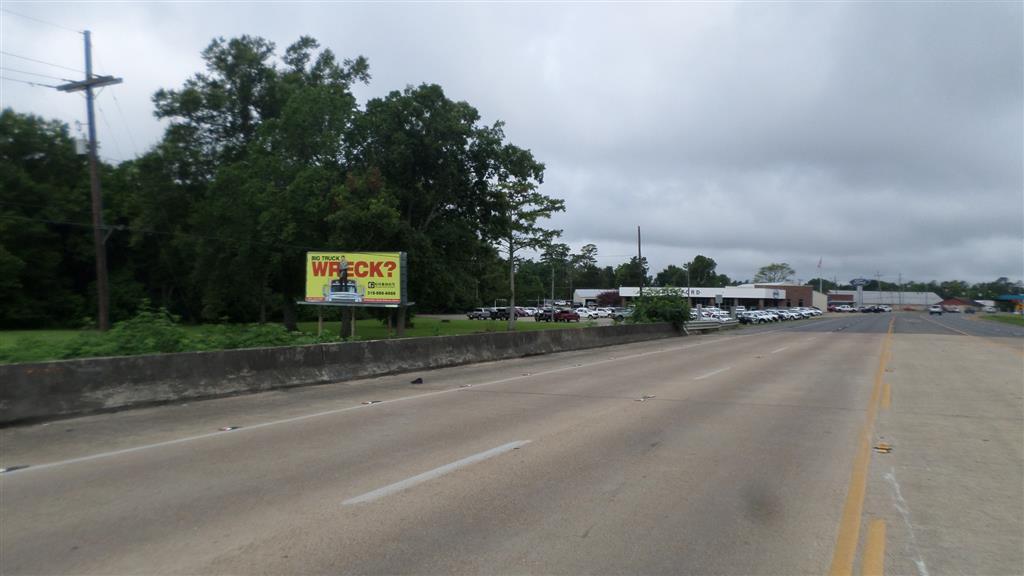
(44, 390)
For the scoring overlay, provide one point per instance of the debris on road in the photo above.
(229, 428)
(417, 381)
(372, 402)
(13, 468)
(645, 397)
(883, 448)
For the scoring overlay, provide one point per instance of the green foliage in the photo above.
(45, 263)
(633, 273)
(775, 272)
(663, 307)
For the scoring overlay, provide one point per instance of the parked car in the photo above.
(479, 314)
(845, 308)
(566, 316)
(544, 315)
(621, 314)
(604, 312)
(584, 312)
(935, 309)
(989, 309)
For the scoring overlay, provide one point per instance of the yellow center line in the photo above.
(886, 396)
(849, 526)
(874, 549)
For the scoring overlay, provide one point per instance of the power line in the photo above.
(40, 20)
(117, 146)
(127, 128)
(38, 84)
(34, 74)
(19, 56)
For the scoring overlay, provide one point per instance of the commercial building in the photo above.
(748, 295)
(914, 300)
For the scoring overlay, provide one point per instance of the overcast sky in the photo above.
(879, 137)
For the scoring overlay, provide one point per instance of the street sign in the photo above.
(858, 282)
(718, 298)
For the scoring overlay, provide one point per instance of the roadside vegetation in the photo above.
(1016, 319)
(157, 331)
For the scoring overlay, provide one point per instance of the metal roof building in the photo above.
(892, 298)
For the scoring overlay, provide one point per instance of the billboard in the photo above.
(356, 278)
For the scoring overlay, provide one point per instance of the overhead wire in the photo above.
(127, 128)
(37, 61)
(30, 83)
(40, 20)
(117, 146)
(34, 74)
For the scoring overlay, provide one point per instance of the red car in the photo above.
(566, 316)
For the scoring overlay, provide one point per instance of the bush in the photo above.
(149, 331)
(664, 307)
(228, 336)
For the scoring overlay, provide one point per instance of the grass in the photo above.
(41, 345)
(1016, 319)
(423, 326)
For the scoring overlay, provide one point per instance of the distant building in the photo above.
(872, 297)
(588, 296)
(960, 304)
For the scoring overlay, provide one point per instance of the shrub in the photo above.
(663, 307)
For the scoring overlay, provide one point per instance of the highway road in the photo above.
(890, 442)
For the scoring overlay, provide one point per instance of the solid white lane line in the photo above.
(780, 349)
(710, 374)
(246, 428)
(431, 474)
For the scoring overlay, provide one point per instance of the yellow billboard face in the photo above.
(355, 277)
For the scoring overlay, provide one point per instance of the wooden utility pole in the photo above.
(640, 261)
(98, 231)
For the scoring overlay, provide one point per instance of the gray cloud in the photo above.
(879, 137)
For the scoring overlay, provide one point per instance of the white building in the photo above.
(730, 295)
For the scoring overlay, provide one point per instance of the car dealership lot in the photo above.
(729, 453)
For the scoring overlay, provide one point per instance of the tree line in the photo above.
(266, 157)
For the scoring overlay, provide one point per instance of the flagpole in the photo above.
(819, 276)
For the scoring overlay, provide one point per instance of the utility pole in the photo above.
(552, 281)
(98, 237)
(640, 261)
(901, 289)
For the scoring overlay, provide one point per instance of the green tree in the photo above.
(46, 253)
(666, 306)
(780, 272)
(430, 159)
(702, 271)
(826, 284)
(632, 273)
(556, 258)
(672, 275)
(521, 207)
(254, 150)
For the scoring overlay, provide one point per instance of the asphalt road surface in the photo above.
(852, 442)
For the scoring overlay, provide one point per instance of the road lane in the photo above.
(744, 470)
(203, 506)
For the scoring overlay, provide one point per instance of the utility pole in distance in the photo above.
(98, 237)
(640, 261)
